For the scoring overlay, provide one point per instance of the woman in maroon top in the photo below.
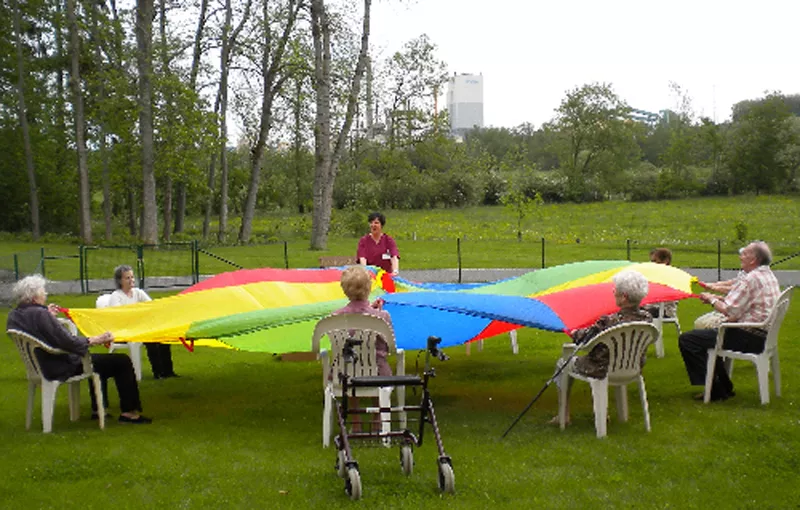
(377, 248)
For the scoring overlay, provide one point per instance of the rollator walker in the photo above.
(346, 466)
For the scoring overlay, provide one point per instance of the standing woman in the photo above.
(377, 248)
(160, 355)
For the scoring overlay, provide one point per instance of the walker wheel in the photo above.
(352, 484)
(447, 480)
(407, 459)
(341, 465)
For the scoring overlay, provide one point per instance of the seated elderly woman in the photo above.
(356, 283)
(630, 288)
(33, 317)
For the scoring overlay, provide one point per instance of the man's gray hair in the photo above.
(631, 283)
(29, 288)
(762, 253)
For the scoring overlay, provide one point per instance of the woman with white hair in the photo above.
(35, 318)
(630, 288)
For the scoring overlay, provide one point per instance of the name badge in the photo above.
(386, 256)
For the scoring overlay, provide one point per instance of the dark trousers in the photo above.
(160, 356)
(119, 367)
(694, 347)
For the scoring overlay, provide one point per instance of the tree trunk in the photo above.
(101, 135)
(167, 208)
(144, 59)
(327, 159)
(80, 124)
(180, 208)
(23, 121)
(271, 87)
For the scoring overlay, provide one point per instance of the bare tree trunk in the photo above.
(298, 142)
(271, 86)
(101, 135)
(180, 207)
(80, 124)
(209, 197)
(133, 209)
(23, 121)
(167, 208)
(144, 58)
(327, 159)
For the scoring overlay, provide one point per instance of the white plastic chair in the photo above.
(626, 343)
(134, 348)
(27, 346)
(363, 327)
(762, 361)
(512, 336)
(659, 322)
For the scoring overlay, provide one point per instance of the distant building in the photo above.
(465, 102)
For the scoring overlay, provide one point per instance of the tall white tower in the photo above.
(465, 102)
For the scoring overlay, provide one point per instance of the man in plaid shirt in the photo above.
(750, 299)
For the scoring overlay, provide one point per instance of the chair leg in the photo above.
(645, 405)
(762, 371)
(74, 389)
(48, 404)
(712, 358)
(565, 384)
(327, 415)
(622, 403)
(385, 400)
(98, 397)
(776, 372)
(514, 346)
(729, 366)
(31, 403)
(135, 349)
(600, 400)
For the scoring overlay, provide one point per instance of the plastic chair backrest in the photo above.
(27, 344)
(627, 344)
(363, 327)
(775, 318)
(103, 301)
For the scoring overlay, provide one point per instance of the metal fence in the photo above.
(171, 265)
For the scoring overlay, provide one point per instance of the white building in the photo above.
(465, 102)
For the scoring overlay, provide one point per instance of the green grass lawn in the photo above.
(243, 430)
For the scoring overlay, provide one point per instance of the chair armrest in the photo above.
(568, 350)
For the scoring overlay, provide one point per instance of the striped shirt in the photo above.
(752, 297)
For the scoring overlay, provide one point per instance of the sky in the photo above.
(531, 52)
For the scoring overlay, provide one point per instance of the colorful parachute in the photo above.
(274, 310)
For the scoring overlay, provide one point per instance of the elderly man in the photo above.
(750, 299)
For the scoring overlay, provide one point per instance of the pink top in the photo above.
(381, 347)
(378, 254)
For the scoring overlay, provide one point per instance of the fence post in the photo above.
(16, 268)
(543, 253)
(286, 254)
(628, 242)
(458, 249)
(719, 260)
(195, 261)
(42, 259)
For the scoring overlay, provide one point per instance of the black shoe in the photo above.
(141, 420)
(171, 374)
(95, 416)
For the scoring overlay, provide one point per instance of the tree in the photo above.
(759, 139)
(23, 122)
(79, 123)
(273, 75)
(326, 154)
(594, 141)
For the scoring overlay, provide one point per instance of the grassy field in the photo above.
(701, 232)
(242, 430)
